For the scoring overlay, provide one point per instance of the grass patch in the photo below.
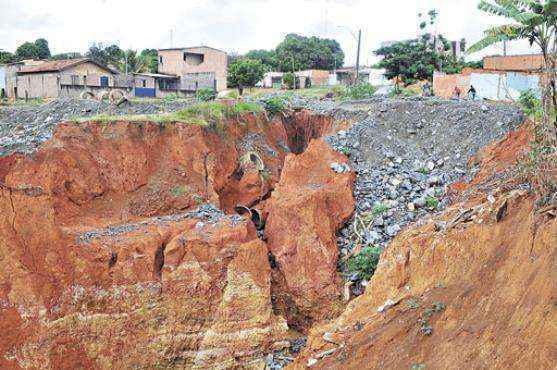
(379, 209)
(278, 103)
(431, 202)
(365, 262)
(200, 114)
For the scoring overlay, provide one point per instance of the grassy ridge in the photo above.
(198, 114)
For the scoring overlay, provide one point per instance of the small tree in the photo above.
(244, 73)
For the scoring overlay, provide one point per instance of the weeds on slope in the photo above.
(539, 166)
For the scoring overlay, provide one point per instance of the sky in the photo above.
(236, 25)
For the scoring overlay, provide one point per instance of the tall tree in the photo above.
(298, 52)
(410, 60)
(33, 50)
(106, 55)
(27, 50)
(149, 60)
(533, 20)
(43, 51)
(267, 57)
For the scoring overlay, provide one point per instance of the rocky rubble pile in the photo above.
(24, 127)
(406, 153)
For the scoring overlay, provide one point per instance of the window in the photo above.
(160, 59)
(194, 59)
(144, 83)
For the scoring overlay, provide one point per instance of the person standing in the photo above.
(472, 92)
(456, 93)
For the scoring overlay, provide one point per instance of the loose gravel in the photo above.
(406, 152)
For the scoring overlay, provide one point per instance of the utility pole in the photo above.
(505, 48)
(358, 56)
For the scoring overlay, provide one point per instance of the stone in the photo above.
(420, 202)
(392, 230)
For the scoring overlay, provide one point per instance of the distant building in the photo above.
(31, 79)
(193, 68)
(310, 77)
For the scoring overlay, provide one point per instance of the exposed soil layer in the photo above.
(145, 245)
(113, 255)
(473, 287)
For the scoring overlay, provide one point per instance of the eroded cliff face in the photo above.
(113, 256)
(473, 287)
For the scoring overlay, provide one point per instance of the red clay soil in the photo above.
(477, 292)
(102, 266)
(309, 204)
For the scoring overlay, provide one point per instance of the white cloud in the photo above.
(233, 25)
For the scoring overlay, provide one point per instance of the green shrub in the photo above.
(206, 94)
(339, 90)
(531, 105)
(277, 104)
(431, 202)
(171, 97)
(365, 262)
(246, 107)
(289, 80)
(233, 94)
(360, 91)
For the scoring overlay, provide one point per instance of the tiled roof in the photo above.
(56, 65)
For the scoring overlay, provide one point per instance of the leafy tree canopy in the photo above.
(149, 60)
(267, 57)
(298, 52)
(111, 54)
(69, 55)
(6, 57)
(33, 50)
(412, 60)
(245, 73)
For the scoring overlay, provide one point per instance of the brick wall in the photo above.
(443, 85)
(516, 63)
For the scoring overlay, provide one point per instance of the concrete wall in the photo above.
(532, 62)
(488, 85)
(215, 61)
(38, 85)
